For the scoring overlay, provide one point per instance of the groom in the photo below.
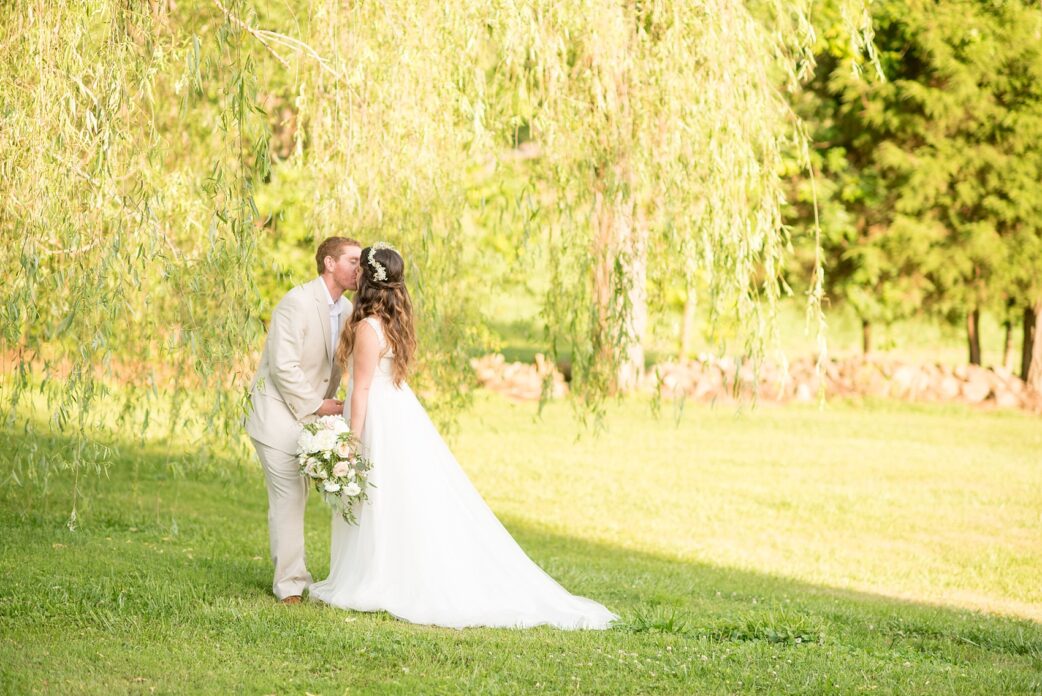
(298, 377)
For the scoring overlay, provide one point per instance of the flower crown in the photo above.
(379, 272)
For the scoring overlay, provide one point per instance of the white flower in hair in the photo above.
(379, 272)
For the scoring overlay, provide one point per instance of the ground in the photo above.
(887, 549)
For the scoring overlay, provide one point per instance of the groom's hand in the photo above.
(331, 407)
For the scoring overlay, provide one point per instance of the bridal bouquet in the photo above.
(329, 457)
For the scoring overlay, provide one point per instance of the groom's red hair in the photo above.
(332, 246)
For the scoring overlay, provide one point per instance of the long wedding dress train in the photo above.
(427, 548)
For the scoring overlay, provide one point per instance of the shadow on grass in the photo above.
(173, 556)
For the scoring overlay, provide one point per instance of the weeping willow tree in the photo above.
(615, 143)
(649, 137)
(126, 224)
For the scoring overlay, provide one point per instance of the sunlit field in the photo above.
(888, 550)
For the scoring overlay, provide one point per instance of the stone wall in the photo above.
(713, 379)
(522, 381)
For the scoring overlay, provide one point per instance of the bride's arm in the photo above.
(366, 355)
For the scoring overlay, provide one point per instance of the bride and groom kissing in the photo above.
(427, 548)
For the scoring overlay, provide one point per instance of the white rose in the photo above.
(304, 442)
(325, 440)
(331, 486)
(311, 466)
(343, 449)
(314, 444)
(340, 425)
(341, 468)
(328, 422)
(352, 489)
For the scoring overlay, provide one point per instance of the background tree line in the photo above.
(929, 189)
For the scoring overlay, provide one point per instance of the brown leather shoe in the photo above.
(294, 599)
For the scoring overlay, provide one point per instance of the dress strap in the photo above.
(378, 328)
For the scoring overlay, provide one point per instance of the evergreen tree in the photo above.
(934, 200)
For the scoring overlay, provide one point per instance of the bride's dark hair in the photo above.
(388, 300)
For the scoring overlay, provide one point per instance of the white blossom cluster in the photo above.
(328, 455)
(379, 272)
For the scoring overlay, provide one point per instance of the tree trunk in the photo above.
(1027, 343)
(973, 335)
(620, 289)
(622, 229)
(866, 336)
(1007, 327)
(635, 262)
(687, 325)
(1033, 347)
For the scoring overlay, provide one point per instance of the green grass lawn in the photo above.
(888, 549)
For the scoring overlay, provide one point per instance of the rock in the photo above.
(804, 393)
(776, 386)
(1005, 373)
(1006, 379)
(869, 380)
(746, 378)
(922, 384)
(833, 371)
(671, 379)
(518, 380)
(1006, 399)
(886, 367)
(975, 391)
(905, 381)
(976, 373)
(948, 389)
(708, 386)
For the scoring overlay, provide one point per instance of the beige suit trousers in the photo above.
(287, 496)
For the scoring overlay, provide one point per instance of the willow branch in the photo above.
(298, 46)
(264, 36)
(71, 252)
(251, 31)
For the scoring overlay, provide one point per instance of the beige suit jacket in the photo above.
(296, 370)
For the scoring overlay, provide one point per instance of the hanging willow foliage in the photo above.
(613, 144)
(647, 138)
(127, 225)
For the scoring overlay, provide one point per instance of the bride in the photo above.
(427, 548)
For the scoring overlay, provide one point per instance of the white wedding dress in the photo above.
(427, 548)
